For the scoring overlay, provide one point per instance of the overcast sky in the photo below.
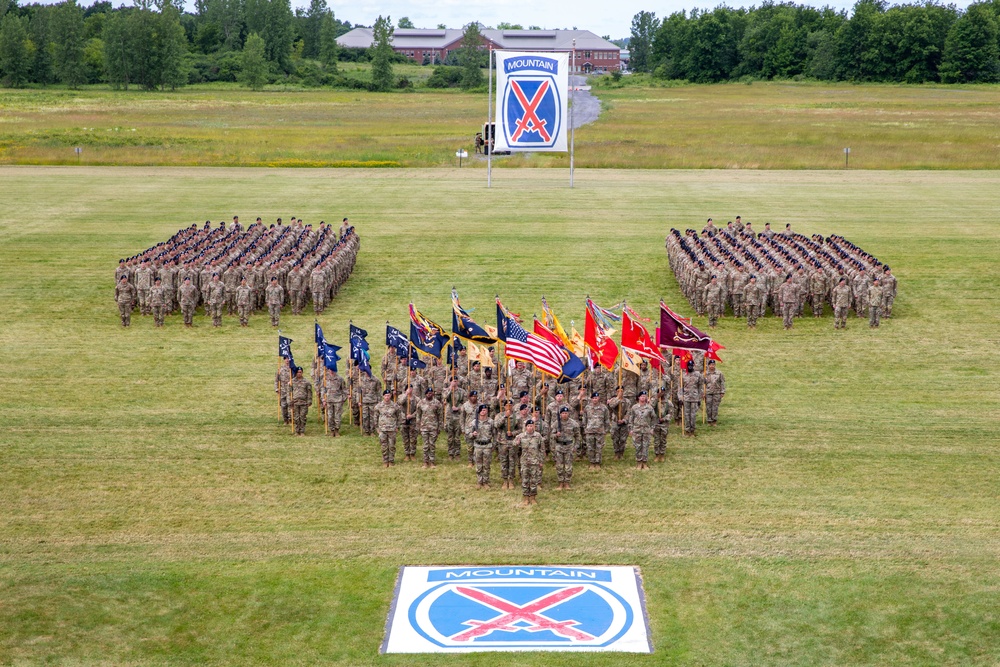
(598, 16)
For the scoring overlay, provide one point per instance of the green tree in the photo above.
(311, 27)
(273, 20)
(39, 33)
(253, 71)
(328, 47)
(503, 25)
(67, 37)
(971, 52)
(15, 50)
(119, 50)
(405, 23)
(859, 57)
(470, 57)
(171, 45)
(671, 44)
(380, 54)
(640, 44)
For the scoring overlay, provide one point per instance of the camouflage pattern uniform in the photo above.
(429, 413)
(371, 390)
(841, 305)
(715, 389)
(189, 301)
(530, 445)
(875, 299)
(387, 417)
(641, 421)
(713, 300)
(479, 431)
(216, 300)
(507, 427)
(275, 298)
(336, 394)
(296, 290)
(664, 409)
(753, 296)
(565, 434)
(597, 421)
(469, 410)
(143, 285)
(244, 302)
(818, 289)
(281, 382)
(619, 408)
(409, 429)
(888, 283)
(690, 391)
(454, 399)
(788, 295)
(158, 304)
(302, 397)
(125, 298)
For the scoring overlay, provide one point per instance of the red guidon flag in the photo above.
(605, 350)
(636, 338)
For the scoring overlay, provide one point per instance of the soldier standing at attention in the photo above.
(597, 421)
(788, 296)
(317, 287)
(662, 408)
(275, 297)
(507, 426)
(408, 429)
(530, 445)
(619, 406)
(689, 391)
(189, 301)
(818, 288)
(715, 389)
(469, 410)
(841, 304)
(125, 298)
(429, 415)
(336, 394)
(387, 418)
(565, 433)
(888, 292)
(302, 397)
(296, 289)
(216, 299)
(143, 284)
(243, 302)
(713, 300)
(641, 421)
(157, 303)
(480, 434)
(371, 388)
(753, 295)
(875, 300)
(282, 384)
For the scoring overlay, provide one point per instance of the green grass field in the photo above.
(761, 126)
(153, 510)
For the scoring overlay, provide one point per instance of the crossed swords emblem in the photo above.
(529, 121)
(513, 618)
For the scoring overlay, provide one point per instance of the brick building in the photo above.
(593, 54)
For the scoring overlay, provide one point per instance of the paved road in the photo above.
(586, 107)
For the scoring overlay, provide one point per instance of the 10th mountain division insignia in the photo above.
(517, 608)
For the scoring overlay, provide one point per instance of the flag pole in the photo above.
(572, 128)
(489, 125)
(704, 399)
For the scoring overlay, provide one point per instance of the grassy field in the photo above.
(760, 126)
(153, 510)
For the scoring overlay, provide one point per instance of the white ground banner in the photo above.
(517, 608)
(532, 101)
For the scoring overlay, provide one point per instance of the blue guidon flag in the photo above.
(518, 608)
(532, 101)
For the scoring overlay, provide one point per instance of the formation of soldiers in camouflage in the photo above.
(515, 420)
(235, 271)
(737, 268)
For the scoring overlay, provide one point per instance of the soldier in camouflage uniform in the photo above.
(859, 287)
(302, 397)
(641, 421)
(507, 426)
(712, 297)
(565, 434)
(888, 283)
(479, 431)
(428, 417)
(664, 410)
(387, 416)
(336, 394)
(216, 299)
(371, 388)
(530, 444)
(296, 289)
(274, 296)
(125, 298)
(788, 296)
(143, 285)
(244, 302)
(282, 381)
(408, 429)
(469, 411)
(189, 301)
(753, 296)
(690, 391)
(715, 390)
(841, 304)
(454, 398)
(875, 299)
(157, 303)
(619, 407)
(318, 287)
(597, 421)
(818, 289)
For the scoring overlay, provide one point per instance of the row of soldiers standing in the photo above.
(491, 414)
(236, 271)
(747, 273)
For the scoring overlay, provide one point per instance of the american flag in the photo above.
(534, 349)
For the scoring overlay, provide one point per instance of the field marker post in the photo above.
(847, 157)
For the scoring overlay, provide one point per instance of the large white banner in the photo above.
(517, 608)
(532, 89)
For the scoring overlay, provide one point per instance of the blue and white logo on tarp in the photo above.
(531, 101)
(517, 609)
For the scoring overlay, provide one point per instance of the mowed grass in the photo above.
(153, 510)
(779, 125)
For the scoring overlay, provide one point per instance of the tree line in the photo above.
(911, 43)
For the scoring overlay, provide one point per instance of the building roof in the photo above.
(546, 40)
